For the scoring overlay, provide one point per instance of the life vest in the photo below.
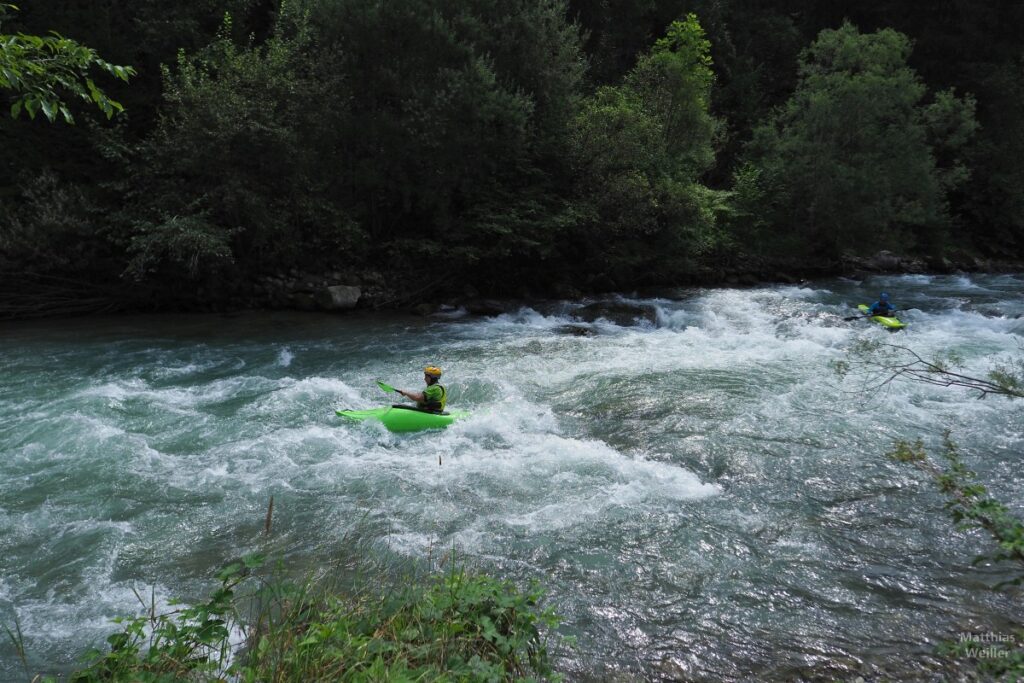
(435, 405)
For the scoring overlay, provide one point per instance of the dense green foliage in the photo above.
(40, 69)
(851, 158)
(524, 146)
(638, 152)
(232, 171)
(450, 627)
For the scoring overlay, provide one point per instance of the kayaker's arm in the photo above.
(414, 395)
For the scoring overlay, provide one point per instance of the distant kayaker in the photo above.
(434, 397)
(882, 306)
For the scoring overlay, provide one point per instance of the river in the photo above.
(703, 497)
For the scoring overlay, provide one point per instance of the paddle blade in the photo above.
(864, 313)
(385, 387)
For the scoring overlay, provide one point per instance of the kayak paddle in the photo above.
(385, 387)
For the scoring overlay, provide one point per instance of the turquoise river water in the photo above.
(703, 498)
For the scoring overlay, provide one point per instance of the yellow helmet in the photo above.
(432, 370)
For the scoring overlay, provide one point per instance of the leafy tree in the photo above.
(35, 235)
(992, 204)
(455, 143)
(405, 128)
(673, 83)
(755, 49)
(974, 47)
(231, 176)
(618, 32)
(639, 150)
(42, 71)
(849, 163)
(49, 230)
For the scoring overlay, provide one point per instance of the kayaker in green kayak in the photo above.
(434, 397)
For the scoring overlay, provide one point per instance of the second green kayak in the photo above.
(884, 321)
(402, 419)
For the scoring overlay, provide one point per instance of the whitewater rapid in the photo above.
(703, 497)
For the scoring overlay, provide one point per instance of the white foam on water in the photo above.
(116, 391)
(793, 292)
(79, 526)
(413, 544)
(317, 388)
(216, 472)
(120, 391)
(170, 371)
(517, 471)
(81, 611)
(452, 314)
(89, 618)
(567, 437)
(912, 279)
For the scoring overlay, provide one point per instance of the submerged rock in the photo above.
(618, 312)
(576, 330)
(486, 307)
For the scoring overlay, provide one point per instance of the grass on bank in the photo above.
(453, 626)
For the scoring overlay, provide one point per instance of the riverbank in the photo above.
(340, 291)
(297, 290)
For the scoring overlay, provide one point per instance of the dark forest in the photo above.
(519, 148)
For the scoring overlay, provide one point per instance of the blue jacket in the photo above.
(881, 308)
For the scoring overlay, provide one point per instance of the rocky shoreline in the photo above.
(334, 291)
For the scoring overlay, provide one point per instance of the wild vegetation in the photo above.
(531, 146)
(258, 625)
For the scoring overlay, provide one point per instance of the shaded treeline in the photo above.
(519, 145)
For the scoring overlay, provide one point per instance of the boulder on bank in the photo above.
(741, 279)
(883, 262)
(784, 278)
(484, 307)
(424, 309)
(913, 265)
(338, 297)
(941, 264)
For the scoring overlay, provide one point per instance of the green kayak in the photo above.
(884, 321)
(404, 418)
